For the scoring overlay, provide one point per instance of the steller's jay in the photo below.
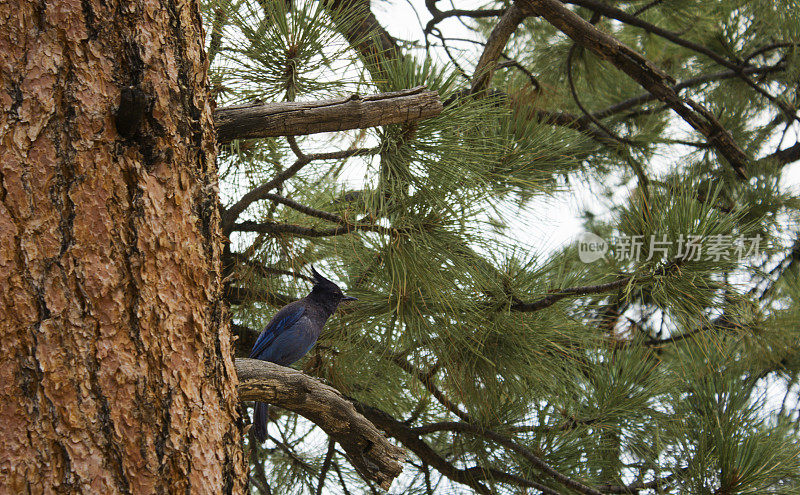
(292, 332)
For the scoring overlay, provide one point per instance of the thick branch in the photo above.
(369, 451)
(621, 15)
(495, 45)
(645, 73)
(782, 157)
(359, 26)
(292, 118)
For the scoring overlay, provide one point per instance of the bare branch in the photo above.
(230, 215)
(556, 296)
(495, 45)
(275, 228)
(646, 74)
(298, 118)
(422, 450)
(694, 81)
(439, 16)
(368, 450)
(525, 452)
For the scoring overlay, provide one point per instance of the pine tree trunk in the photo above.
(116, 371)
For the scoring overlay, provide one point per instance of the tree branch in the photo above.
(646, 74)
(439, 16)
(553, 298)
(782, 157)
(425, 380)
(368, 450)
(359, 26)
(326, 465)
(694, 81)
(621, 15)
(420, 448)
(292, 118)
(230, 215)
(495, 45)
(525, 452)
(275, 228)
(239, 295)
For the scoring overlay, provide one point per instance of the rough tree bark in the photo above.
(117, 374)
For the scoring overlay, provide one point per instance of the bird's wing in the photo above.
(285, 318)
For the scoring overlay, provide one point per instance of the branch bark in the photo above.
(645, 73)
(359, 26)
(299, 118)
(369, 451)
(498, 39)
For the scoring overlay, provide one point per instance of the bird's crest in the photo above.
(321, 281)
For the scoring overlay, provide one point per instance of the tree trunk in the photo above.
(117, 374)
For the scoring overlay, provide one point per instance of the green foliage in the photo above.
(618, 372)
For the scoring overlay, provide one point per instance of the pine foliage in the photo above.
(648, 374)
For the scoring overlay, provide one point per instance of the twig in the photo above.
(503, 477)
(292, 455)
(526, 453)
(326, 465)
(422, 450)
(426, 381)
(553, 298)
(439, 16)
(230, 215)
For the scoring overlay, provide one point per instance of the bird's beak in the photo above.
(349, 298)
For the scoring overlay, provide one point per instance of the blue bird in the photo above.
(292, 332)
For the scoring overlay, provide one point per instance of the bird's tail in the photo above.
(260, 421)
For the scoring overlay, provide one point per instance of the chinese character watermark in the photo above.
(690, 247)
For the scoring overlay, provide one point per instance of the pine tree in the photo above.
(669, 365)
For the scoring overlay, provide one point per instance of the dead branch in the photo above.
(290, 118)
(368, 449)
